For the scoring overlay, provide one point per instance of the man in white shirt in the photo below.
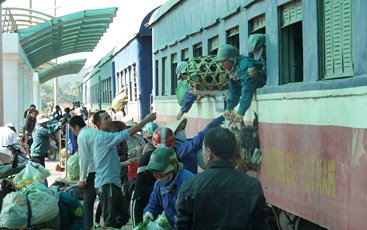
(85, 140)
(7, 137)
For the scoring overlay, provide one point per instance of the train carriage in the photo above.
(311, 111)
(125, 70)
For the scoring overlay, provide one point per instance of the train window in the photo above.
(130, 84)
(164, 60)
(173, 73)
(198, 50)
(135, 83)
(257, 25)
(232, 36)
(156, 78)
(118, 79)
(291, 54)
(213, 44)
(185, 54)
(336, 37)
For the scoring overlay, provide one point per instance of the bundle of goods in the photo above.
(207, 76)
(73, 166)
(248, 155)
(34, 205)
(33, 172)
(119, 102)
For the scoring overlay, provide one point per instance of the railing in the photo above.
(14, 19)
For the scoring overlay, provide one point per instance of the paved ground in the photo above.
(51, 166)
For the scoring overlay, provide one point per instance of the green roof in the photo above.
(162, 10)
(57, 70)
(73, 33)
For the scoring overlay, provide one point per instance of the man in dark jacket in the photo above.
(41, 140)
(220, 197)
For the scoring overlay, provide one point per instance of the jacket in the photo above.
(242, 90)
(162, 199)
(221, 197)
(186, 151)
(41, 141)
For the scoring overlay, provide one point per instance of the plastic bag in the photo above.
(73, 167)
(33, 172)
(161, 223)
(43, 203)
(14, 214)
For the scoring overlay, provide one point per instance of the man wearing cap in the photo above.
(41, 139)
(256, 46)
(189, 98)
(7, 137)
(144, 182)
(170, 175)
(221, 197)
(241, 85)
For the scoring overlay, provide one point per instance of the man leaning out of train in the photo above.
(221, 197)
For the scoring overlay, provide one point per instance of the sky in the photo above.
(125, 25)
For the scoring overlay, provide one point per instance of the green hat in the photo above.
(181, 68)
(163, 160)
(226, 52)
(256, 43)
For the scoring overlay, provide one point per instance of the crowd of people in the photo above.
(141, 170)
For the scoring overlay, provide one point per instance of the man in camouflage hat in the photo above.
(256, 47)
(189, 98)
(242, 85)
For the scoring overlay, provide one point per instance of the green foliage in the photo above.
(67, 92)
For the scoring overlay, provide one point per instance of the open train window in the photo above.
(232, 37)
(156, 78)
(257, 25)
(291, 53)
(173, 73)
(198, 50)
(213, 44)
(336, 38)
(185, 54)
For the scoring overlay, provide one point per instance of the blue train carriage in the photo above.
(311, 111)
(127, 70)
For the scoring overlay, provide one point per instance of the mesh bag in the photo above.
(205, 74)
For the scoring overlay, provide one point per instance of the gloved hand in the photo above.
(228, 114)
(147, 216)
(252, 72)
(216, 122)
(238, 118)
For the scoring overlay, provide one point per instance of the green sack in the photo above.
(73, 166)
(181, 91)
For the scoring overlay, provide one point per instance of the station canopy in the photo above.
(73, 33)
(57, 70)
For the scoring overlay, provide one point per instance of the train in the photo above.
(311, 111)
